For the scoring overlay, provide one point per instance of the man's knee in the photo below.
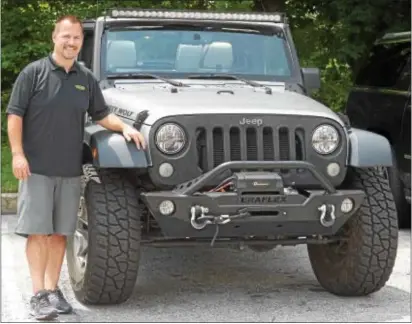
(57, 238)
(37, 239)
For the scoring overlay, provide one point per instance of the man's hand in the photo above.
(114, 123)
(20, 165)
(132, 133)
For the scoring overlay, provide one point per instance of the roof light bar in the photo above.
(186, 14)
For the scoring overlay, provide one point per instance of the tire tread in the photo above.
(373, 240)
(114, 245)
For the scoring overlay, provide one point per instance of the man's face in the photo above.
(68, 39)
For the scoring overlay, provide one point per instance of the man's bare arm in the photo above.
(16, 110)
(15, 133)
(114, 123)
(21, 169)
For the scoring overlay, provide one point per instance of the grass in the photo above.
(8, 182)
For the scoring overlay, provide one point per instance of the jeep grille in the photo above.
(247, 144)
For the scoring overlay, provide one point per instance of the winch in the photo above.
(269, 183)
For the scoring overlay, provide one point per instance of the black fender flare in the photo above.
(368, 149)
(109, 149)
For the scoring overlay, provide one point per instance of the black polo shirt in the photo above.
(53, 104)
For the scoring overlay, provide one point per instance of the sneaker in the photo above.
(41, 308)
(58, 301)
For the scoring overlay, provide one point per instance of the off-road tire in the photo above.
(114, 233)
(364, 263)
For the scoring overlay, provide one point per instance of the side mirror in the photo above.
(311, 78)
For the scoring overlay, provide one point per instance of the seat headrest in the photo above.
(219, 55)
(121, 54)
(188, 57)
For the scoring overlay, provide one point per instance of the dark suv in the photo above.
(381, 102)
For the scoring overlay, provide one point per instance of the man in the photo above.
(45, 126)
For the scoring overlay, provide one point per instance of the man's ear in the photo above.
(54, 32)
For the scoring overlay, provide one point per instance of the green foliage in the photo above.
(8, 182)
(336, 73)
(5, 95)
(337, 36)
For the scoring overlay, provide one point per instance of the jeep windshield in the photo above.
(184, 51)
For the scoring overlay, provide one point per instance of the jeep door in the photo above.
(378, 100)
(404, 160)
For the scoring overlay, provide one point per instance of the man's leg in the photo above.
(35, 210)
(36, 252)
(66, 201)
(57, 246)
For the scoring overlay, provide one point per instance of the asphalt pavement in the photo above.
(215, 285)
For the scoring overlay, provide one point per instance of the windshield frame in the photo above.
(265, 28)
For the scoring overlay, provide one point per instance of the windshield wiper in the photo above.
(229, 77)
(145, 76)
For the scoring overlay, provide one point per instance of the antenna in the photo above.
(263, 6)
(104, 14)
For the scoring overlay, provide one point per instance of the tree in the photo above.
(269, 5)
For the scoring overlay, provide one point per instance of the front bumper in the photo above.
(288, 214)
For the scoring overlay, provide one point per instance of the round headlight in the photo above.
(325, 139)
(170, 138)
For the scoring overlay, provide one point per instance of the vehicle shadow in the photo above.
(195, 278)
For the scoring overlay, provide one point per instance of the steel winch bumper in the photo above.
(186, 212)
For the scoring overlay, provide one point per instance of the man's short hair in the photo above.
(72, 18)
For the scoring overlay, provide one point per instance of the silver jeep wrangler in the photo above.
(238, 154)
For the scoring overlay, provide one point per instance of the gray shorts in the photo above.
(48, 205)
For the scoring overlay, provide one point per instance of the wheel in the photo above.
(103, 255)
(361, 264)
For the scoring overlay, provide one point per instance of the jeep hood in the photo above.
(162, 102)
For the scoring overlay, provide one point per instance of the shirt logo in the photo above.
(80, 87)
